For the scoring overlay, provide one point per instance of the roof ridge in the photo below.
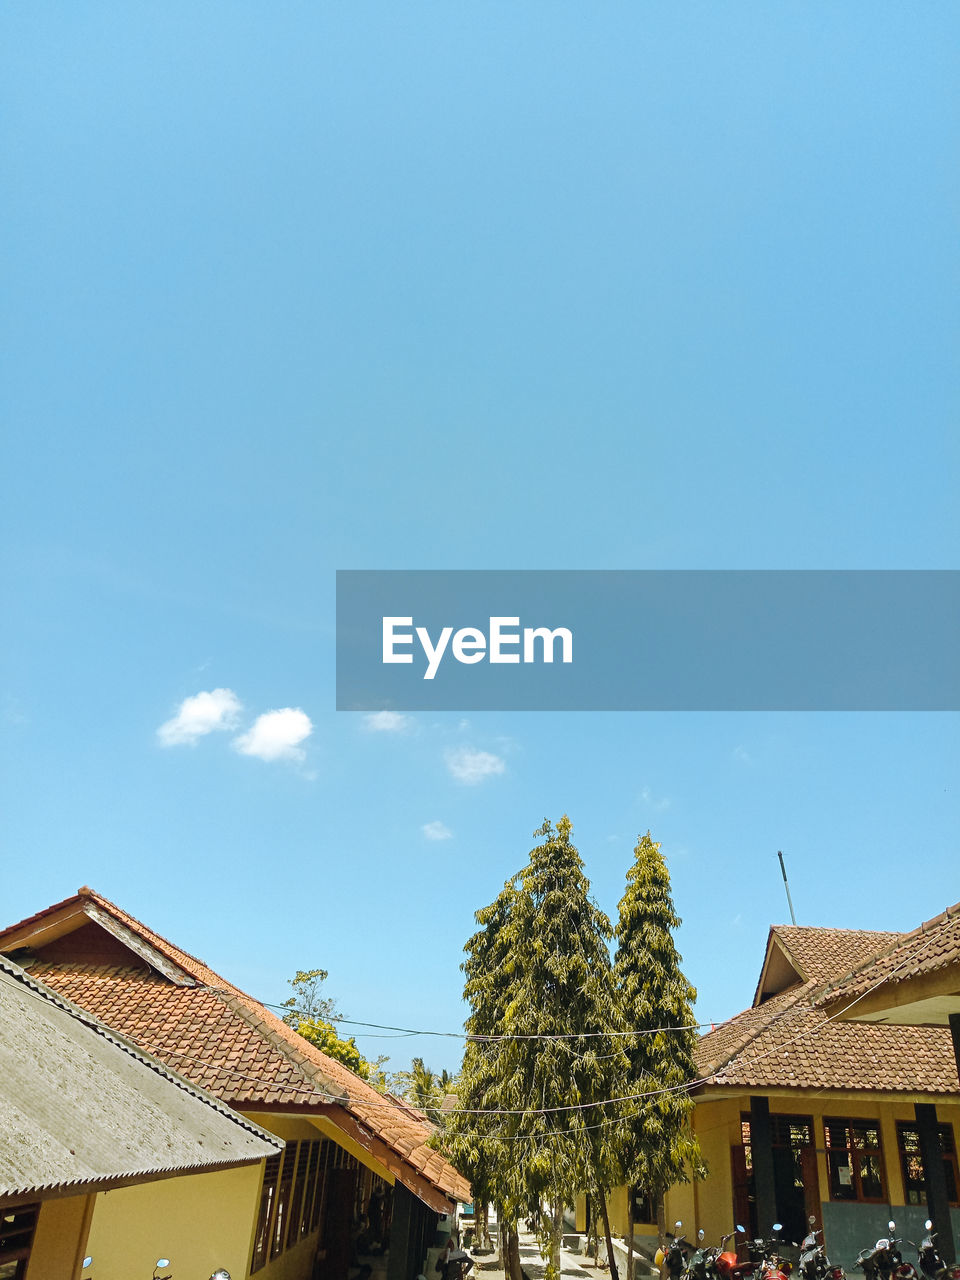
(902, 940)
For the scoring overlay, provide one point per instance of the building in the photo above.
(914, 982)
(357, 1180)
(803, 1113)
(83, 1113)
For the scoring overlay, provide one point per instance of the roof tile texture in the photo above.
(790, 1042)
(225, 1041)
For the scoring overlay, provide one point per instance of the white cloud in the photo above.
(204, 713)
(659, 803)
(386, 722)
(436, 831)
(276, 735)
(468, 765)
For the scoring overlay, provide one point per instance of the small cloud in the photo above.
(468, 765)
(659, 803)
(386, 722)
(204, 713)
(436, 831)
(743, 755)
(276, 735)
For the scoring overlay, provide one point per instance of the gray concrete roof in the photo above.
(81, 1108)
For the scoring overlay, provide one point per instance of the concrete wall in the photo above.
(200, 1222)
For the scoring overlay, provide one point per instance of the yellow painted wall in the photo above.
(709, 1204)
(198, 1221)
(60, 1239)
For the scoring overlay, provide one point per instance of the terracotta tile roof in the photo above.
(823, 953)
(217, 1036)
(789, 1042)
(933, 945)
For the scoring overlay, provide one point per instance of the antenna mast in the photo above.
(783, 872)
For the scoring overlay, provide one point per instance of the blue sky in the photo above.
(296, 288)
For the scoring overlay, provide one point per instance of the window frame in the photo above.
(949, 1151)
(855, 1155)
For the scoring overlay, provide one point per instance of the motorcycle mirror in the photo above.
(87, 1262)
(678, 1225)
(927, 1226)
(161, 1262)
(812, 1220)
(700, 1234)
(891, 1225)
(778, 1226)
(742, 1230)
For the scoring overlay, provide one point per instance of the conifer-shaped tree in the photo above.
(658, 1148)
(539, 976)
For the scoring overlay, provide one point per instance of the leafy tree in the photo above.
(324, 1036)
(423, 1088)
(310, 1014)
(538, 974)
(658, 1148)
(306, 1001)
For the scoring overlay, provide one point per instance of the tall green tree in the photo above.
(538, 981)
(657, 1145)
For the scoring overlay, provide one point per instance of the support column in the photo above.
(761, 1153)
(935, 1178)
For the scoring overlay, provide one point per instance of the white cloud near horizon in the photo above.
(386, 722)
(436, 831)
(276, 735)
(471, 766)
(207, 712)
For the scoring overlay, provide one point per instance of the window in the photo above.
(296, 1203)
(284, 1187)
(16, 1236)
(644, 1206)
(313, 1168)
(268, 1195)
(855, 1160)
(911, 1162)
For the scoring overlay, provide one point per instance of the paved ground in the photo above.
(533, 1263)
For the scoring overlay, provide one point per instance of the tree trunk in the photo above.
(662, 1233)
(511, 1248)
(609, 1238)
(629, 1233)
(482, 1225)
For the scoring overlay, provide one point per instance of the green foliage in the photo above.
(306, 1001)
(538, 967)
(658, 1147)
(310, 1014)
(423, 1088)
(324, 1036)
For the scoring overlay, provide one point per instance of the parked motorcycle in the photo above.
(675, 1255)
(932, 1265)
(767, 1257)
(814, 1263)
(885, 1259)
(726, 1263)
